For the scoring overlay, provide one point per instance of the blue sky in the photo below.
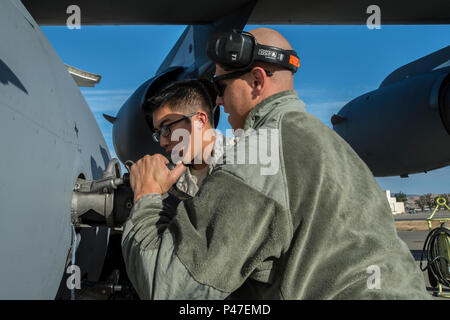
(338, 63)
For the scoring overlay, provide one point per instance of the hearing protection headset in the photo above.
(239, 50)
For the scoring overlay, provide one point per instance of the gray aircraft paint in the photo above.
(49, 137)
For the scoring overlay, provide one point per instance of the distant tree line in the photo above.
(424, 201)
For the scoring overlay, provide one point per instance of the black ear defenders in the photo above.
(238, 50)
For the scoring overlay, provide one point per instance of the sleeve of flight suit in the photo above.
(218, 239)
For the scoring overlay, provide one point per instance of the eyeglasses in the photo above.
(165, 130)
(220, 87)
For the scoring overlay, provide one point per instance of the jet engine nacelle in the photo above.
(403, 127)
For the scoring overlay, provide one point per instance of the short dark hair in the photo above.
(186, 96)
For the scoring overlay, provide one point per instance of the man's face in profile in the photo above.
(182, 134)
(236, 98)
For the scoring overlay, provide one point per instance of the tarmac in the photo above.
(421, 215)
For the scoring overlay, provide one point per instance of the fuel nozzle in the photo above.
(106, 201)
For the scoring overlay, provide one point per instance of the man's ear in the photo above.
(203, 118)
(258, 79)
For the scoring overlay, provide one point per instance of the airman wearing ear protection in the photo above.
(314, 229)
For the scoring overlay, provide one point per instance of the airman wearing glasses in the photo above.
(183, 119)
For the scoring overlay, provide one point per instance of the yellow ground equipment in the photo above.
(437, 251)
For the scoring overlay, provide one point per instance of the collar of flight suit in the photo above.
(266, 106)
(186, 183)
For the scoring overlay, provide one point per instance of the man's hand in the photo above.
(151, 175)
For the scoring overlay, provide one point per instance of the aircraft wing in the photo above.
(328, 12)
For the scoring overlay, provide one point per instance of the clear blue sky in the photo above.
(338, 63)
